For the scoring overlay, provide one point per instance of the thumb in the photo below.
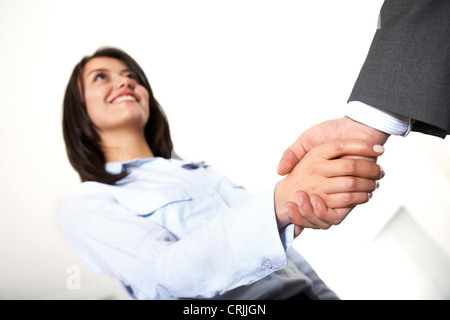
(297, 231)
(290, 158)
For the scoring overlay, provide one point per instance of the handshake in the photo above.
(330, 169)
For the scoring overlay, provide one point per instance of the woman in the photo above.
(169, 229)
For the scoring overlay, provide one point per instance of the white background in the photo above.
(239, 81)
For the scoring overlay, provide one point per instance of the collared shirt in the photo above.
(378, 119)
(173, 229)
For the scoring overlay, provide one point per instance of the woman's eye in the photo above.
(99, 76)
(132, 76)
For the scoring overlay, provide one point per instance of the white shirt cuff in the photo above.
(378, 119)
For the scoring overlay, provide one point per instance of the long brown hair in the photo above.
(80, 135)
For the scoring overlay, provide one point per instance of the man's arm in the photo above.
(406, 76)
(404, 82)
(407, 69)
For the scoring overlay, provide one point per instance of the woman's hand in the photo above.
(323, 187)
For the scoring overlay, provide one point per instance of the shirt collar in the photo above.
(118, 167)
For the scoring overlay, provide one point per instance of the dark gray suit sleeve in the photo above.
(407, 69)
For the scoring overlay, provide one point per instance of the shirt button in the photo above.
(267, 264)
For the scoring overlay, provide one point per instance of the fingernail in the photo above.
(377, 185)
(369, 195)
(382, 172)
(378, 148)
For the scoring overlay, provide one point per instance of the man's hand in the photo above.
(331, 130)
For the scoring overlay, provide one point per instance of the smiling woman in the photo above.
(118, 105)
(110, 87)
(99, 79)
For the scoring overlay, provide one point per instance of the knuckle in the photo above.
(347, 198)
(351, 183)
(350, 166)
(321, 215)
(339, 144)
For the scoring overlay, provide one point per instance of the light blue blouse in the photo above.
(173, 229)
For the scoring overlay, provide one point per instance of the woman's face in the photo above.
(114, 98)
